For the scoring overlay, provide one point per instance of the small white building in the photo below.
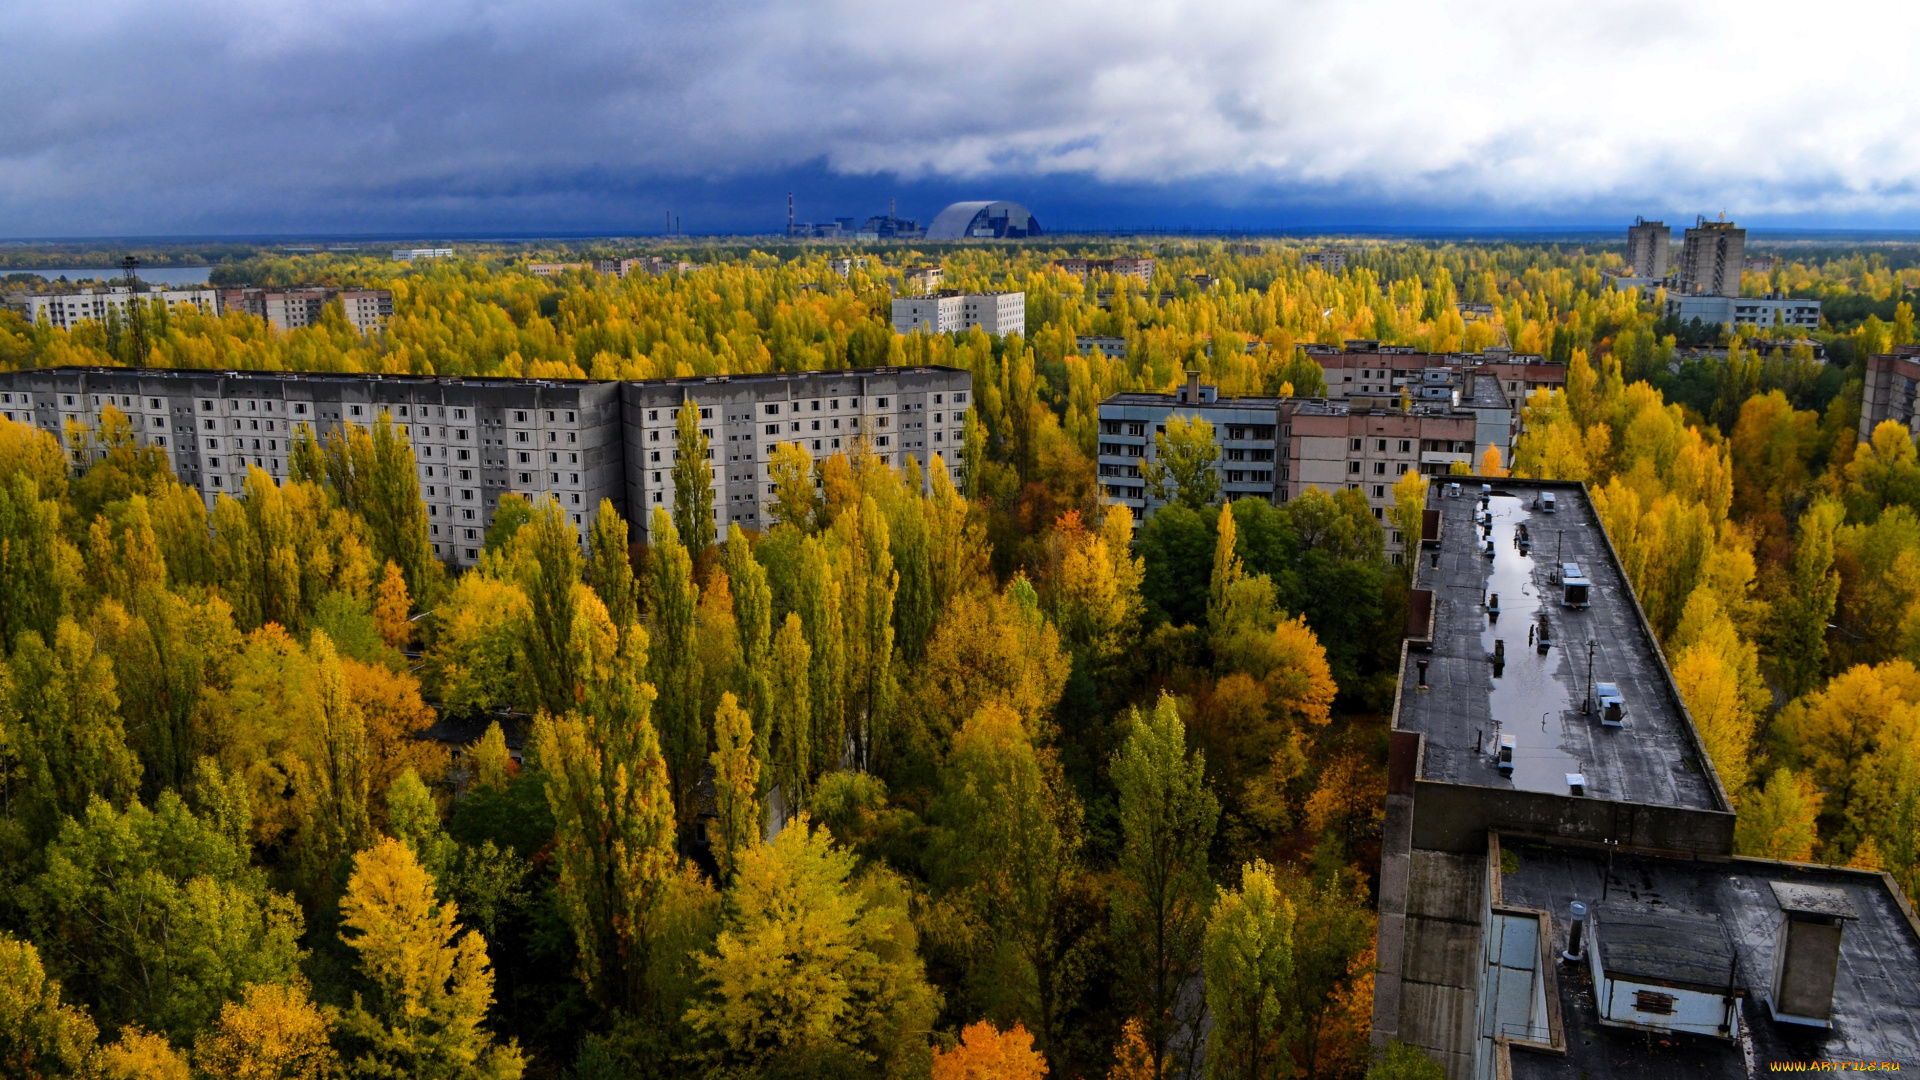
(999, 314)
(1745, 310)
(67, 310)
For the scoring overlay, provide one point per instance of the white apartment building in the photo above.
(289, 309)
(999, 314)
(1745, 310)
(67, 310)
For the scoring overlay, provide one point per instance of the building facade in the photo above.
(999, 314)
(1712, 255)
(289, 309)
(1649, 247)
(1138, 267)
(1761, 311)
(896, 413)
(1891, 388)
(68, 310)
(474, 440)
(1276, 448)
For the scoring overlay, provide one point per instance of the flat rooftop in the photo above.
(1654, 758)
(1876, 997)
(466, 380)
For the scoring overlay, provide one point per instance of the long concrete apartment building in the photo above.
(474, 440)
(1559, 897)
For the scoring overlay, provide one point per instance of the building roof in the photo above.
(468, 380)
(958, 221)
(1655, 758)
(1876, 999)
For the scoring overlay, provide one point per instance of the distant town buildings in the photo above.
(1113, 348)
(1332, 260)
(888, 226)
(1649, 247)
(984, 221)
(1712, 255)
(411, 254)
(846, 264)
(67, 310)
(553, 269)
(948, 312)
(1138, 267)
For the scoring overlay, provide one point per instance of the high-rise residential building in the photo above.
(1712, 254)
(1332, 260)
(1649, 247)
(999, 314)
(1891, 390)
(475, 440)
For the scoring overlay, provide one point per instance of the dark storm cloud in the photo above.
(203, 116)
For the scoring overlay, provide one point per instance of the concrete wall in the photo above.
(1456, 817)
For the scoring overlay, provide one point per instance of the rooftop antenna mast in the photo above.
(789, 213)
(136, 310)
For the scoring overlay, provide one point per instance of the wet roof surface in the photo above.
(1638, 940)
(1537, 697)
(1876, 995)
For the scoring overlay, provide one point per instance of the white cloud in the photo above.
(206, 110)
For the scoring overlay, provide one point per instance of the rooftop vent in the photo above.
(1806, 952)
(1505, 759)
(1609, 704)
(1575, 590)
(1547, 505)
(1576, 784)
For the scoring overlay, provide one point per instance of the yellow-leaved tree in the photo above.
(431, 985)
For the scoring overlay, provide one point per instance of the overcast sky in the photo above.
(469, 116)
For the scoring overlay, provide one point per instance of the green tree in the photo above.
(41, 1037)
(736, 776)
(812, 966)
(1009, 842)
(428, 987)
(1407, 514)
(1801, 613)
(790, 702)
(753, 622)
(1167, 818)
(612, 571)
(154, 917)
(692, 481)
(374, 474)
(1778, 821)
(795, 500)
(871, 583)
(819, 601)
(1181, 469)
(1249, 971)
(1403, 1062)
(37, 566)
(510, 514)
(333, 783)
(549, 571)
(607, 785)
(60, 723)
(673, 662)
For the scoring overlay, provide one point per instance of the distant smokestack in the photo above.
(789, 211)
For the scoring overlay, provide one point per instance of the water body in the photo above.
(152, 275)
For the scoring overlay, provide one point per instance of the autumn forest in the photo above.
(281, 796)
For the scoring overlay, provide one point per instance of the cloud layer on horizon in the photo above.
(217, 116)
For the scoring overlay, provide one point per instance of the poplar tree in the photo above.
(736, 776)
(753, 622)
(1167, 817)
(913, 606)
(790, 725)
(60, 724)
(1249, 977)
(692, 481)
(332, 787)
(34, 585)
(673, 662)
(795, 502)
(549, 569)
(865, 563)
(611, 570)
(819, 602)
